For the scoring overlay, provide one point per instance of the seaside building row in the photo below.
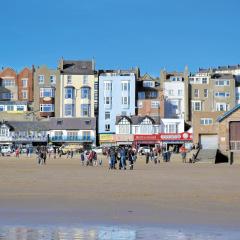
(77, 104)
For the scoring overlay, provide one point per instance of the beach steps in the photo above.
(207, 155)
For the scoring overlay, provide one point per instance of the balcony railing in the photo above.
(71, 139)
(24, 138)
(235, 145)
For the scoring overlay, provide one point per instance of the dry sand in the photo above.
(64, 192)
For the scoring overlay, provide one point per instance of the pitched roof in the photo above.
(228, 113)
(77, 67)
(135, 120)
(29, 125)
(72, 123)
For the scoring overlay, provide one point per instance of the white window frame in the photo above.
(53, 79)
(194, 106)
(25, 81)
(107, 127)
(206, 121)
(42, 106)
(155, 104)
(41, 79)
(24, 94)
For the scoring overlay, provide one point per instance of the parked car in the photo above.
(144, 150)
(6, 150)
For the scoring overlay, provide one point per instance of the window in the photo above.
(146, 126)
(24, 94)
(206, 121)
(46, 107)
(124, 126)
(4, 131)
(107, 127)
(10, 108)
(204, 81)
(221, 107)
(152, 94)
(41, 79)
(7, 95)
(141, 95)
(196, 93)
(222, 94)
(85, 79)
(155, 104)
(86, 135)
(125, 100)
(1, 108)
(191, 80)
(69, 93)
(52, 79)
(171, 128)
(8, 82)
(140, 104)
(148, 84)
(107, 100)
(125, 86)
(69, 110)
(69, 79)
(72, 136)
(107, 115)
(180, 92)
(222, 82)
(20, 108)
(205, 93)
(170, 92)
(85, 110)
(24, 83)
(237, 96)
(196, 106)
(198, 80)
(85, 93)
(46, 92)
(108, 86)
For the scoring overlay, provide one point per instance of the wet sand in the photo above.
(64, 192)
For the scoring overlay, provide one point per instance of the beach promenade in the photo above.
(64, 192)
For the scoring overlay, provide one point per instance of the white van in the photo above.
(6, 150)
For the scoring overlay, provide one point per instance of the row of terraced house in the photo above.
(77, 104)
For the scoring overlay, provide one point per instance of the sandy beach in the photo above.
(64, 192)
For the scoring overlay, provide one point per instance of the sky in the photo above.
(120, 34)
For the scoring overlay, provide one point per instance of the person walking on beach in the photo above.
(71, 153)
(155, 156)
(82, 158)
(113, 157)
(123, 158)
(183, 152)
(147, 157)
(17, 152)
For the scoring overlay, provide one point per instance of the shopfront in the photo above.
(107, 139)
(124, 139)
(176, 140)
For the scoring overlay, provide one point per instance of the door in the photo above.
(209, 141)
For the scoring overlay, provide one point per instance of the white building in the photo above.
(174, 97)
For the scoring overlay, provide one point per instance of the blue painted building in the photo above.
(117, 97)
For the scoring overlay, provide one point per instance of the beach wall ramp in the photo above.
(207, 155)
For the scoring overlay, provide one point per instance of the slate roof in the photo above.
(72, 124)
(29, 125)
(228, 113)
(77, 67)
(135, 120)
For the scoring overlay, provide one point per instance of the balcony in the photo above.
(235, 145)
(29, 138)
(72, 139)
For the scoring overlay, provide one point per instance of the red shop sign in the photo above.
(146, 137)
(185, 136)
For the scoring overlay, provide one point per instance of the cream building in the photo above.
(76, 88)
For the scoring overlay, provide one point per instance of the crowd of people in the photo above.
(120, 157)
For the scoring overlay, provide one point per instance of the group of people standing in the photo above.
(121, 155)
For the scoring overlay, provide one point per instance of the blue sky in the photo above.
(151, 34)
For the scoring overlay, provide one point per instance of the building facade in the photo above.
(150, 99)
(46, 92)
(117, 97)
(77, 79)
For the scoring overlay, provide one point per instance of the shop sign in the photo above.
(185, 136)
(106, 137)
